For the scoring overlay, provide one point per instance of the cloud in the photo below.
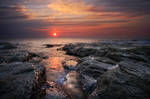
(72, 7)
(132, 7)
(32, 17)
(14, 22)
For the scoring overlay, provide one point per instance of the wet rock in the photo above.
(114, 56)
(88, 83)
(55, 92)
(70, 64)
(49, 45)
(129, 81)
(78, 50)
(69, 46)
(140, 69)
(69, 67)
(19, 56)
(140, 50)
(99, 59)
(91, 68)
(35, 60)
(17, 80)
(81, 52)
(138, 58)
(6, 45)
(52, 45)
(94, 68)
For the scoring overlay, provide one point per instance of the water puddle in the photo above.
(61, 82)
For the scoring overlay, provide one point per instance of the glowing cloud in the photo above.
(70, 7)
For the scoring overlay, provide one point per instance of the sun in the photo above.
(54, 34)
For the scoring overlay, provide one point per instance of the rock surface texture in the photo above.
(21, 74)
(113, 70)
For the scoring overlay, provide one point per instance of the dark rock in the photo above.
(138, 58)
(52, 45)
(55, 92)
(49, 45)
(19, 56)
(6, 45)
(94, 68)
(81, 52)
(91, 68)
(78, 50)
(99, 59)
(114, 56)
(17, 80)
(69, 46)
(70, 64)
(69, 67)
(141, 50)
(129, 81)
(88, 83)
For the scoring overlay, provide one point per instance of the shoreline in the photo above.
(102, 67)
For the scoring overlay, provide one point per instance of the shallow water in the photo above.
(67, 80)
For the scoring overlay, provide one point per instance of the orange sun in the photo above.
(54, 34)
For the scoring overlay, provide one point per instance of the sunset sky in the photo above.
(74, 18)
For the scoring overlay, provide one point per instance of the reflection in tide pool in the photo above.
(55, 63)
(62, 82)
(72, 86)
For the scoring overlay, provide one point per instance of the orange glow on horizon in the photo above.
(54, 34)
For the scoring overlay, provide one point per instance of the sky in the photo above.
(75, 18)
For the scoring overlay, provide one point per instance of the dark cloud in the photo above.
(10, 13)
(14, 24)
(133, 7)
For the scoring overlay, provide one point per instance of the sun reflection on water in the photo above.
(55, 63)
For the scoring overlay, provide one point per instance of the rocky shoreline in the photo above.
(21, 73)
(113, 70)
(106, 70)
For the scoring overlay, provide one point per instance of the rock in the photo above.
(19, 56)
(52, 45)
(140, 50)
(94, 68)
(70, 64)
(138, 58)
(17, 80)
(69, 46)
(114, 56)
(140, 69)
(113, 70)
(69, 67)
(99, 59)
(128, 81)
(81, 52)
(55, 92)
(88, 83)
(90, 69)
(78, 50)
(49, 45)
(6, 45)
